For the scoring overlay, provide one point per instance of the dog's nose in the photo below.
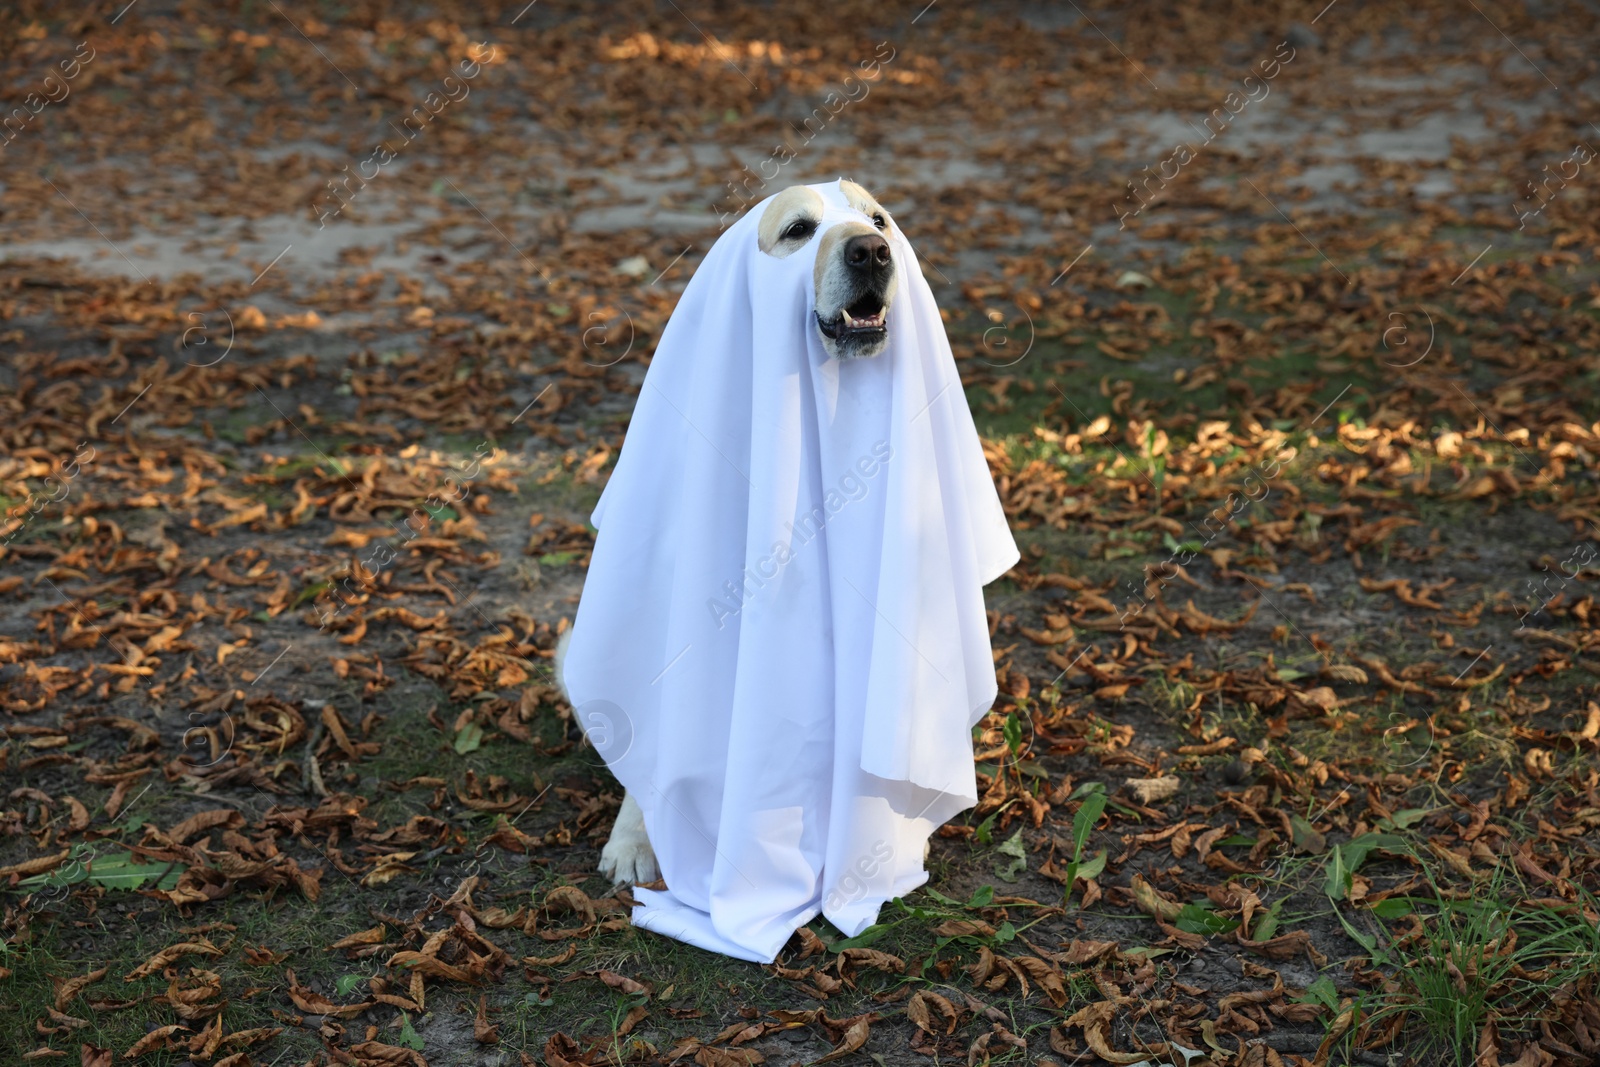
(865, 251)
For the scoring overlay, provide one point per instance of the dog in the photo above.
(854, 283)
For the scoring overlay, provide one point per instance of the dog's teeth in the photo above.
(848, 321)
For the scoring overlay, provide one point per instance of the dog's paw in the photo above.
(628, 857)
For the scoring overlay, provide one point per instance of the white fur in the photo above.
(627, 857)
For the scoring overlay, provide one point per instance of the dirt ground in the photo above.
(1279, 323)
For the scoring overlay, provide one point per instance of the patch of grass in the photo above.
(1176, 694)
(684, 980)
(1491, 957)
(413, 748)
(121, 930)
(30, 994)
(557, 489)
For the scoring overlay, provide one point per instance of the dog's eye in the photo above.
(798, 230)
(879, 221)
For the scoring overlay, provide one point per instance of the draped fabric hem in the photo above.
(997, 570)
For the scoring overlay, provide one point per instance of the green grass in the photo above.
(1488, 958)
(558, 489)
(121, 930)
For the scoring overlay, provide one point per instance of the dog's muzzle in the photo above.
(866, 275)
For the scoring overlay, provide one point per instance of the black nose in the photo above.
(865, 251)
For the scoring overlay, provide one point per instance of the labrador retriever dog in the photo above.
(854, 283)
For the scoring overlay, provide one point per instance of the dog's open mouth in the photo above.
(865, 319)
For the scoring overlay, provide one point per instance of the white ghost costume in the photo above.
(781, 647)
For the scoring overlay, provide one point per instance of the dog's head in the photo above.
(854, 276)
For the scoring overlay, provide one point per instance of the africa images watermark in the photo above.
(56, 89)
(1233, 104)
(782, 155)
(1582, 155)
(852, 885)
(1543, 596)
(329, 205)
(853, 485)
(37, 502)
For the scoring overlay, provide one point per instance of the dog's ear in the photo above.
(789, 221)
(864, 202)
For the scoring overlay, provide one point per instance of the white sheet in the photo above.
(789, 692)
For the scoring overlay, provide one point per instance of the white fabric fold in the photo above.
(781, 646)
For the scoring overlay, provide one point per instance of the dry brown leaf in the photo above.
(1151, 902)
(205, 821)
(159, 1039)
(552, 961)
(35, 866)
(707, 1056)
(71, 987)
(1095, 1022)
(482, 1031)
(314, 1003)
(374, 936)
(1153, 790)
(421, 965)
(855, 1036)
(376, 1052)
(172, 954)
